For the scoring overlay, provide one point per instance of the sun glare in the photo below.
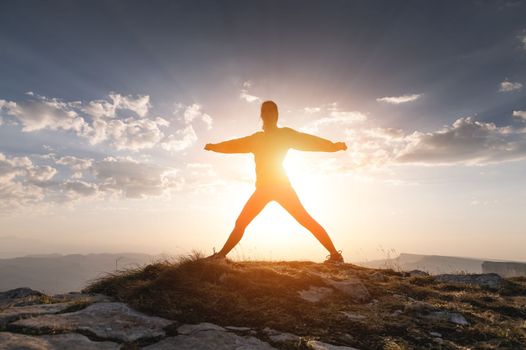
(274, 231)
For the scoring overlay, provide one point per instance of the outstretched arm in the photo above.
(306, 142)
(241, 145)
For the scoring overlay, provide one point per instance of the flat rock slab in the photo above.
(352, 287)
(114, 321)
(210, 340)
(194, 328)
(13, 341)
(238, 329)
(489, 280)
(315, 294)
(318, 345)
(353, 316)
(279, 337)
(18, 312)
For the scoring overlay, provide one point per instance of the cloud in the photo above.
(77, 189)
(133, 179)
(334, 116)
(399, 99)
(311, 110)
(44, 113)
(520, 115)
(127, 134)
(372, 148)
(103, 108)
(509, 86)
(120, 121)
(183, 139)
(194, 111)
(76, 165)
(245, 94)
(522, 40)
(467, 141)
(22, 183)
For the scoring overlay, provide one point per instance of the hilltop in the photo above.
(196, 304)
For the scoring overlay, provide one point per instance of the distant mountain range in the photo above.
(55, 273)
(436, 264)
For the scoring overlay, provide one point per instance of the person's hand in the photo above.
(208, 147)
(341, 146)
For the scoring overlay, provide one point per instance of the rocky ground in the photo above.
(194, 304)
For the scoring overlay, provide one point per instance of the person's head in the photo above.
(269, 115)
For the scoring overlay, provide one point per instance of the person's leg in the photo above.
(252, 208)
(289, 200)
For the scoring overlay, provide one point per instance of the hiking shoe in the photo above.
(335, 258)
(216, 257)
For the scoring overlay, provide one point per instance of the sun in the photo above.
(300, 170)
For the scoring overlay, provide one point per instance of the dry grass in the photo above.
(265, 294)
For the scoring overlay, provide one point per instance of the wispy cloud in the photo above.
(245, 95)
(509, 86)
(520, 115)
(522, 40)
(333, 115)
(311, 110)
(399, 99)
(194, 111)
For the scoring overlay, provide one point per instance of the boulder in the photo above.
(18, 295)
(114, 321)
(488, 280)
(210, 340)
(458, 319)
(13, 341)
(452, 317)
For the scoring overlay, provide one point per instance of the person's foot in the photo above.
(216, 257)
(335, 258)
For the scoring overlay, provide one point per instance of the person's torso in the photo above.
(270, 150)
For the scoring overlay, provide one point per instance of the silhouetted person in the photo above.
(270, 147)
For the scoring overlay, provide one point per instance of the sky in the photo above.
(105, 107)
